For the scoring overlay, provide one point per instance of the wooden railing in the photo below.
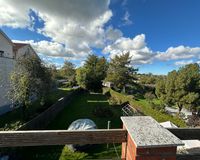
(98, 136)
(61, 137)
(186, 133)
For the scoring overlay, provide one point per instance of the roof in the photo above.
(5, 36)
(19, 45)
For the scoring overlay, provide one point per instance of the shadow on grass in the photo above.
(13, 119)
(81, 106)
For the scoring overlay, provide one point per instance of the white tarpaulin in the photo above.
(82, 124)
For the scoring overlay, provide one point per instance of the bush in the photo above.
(102, 112)
(194, 121)
(68, 154)
(158, 107)
(114, 101)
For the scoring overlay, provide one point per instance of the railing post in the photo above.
(147, 140)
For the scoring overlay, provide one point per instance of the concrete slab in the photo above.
(148, 133)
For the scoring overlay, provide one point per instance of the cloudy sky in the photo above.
(160, 35)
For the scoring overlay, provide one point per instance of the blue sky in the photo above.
(160, 35)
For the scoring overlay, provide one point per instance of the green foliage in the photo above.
(144, 107)
(158, 107)
(82, 106)
(81, 77)
(54, 72)
(29, 79)
(13, 120)
(148, 78)
(68, 154)
(90, 76)
(181, 88)
(68, 72)
(120, 71)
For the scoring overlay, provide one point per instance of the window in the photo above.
(1, 53)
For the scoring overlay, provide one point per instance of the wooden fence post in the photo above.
(148, 140)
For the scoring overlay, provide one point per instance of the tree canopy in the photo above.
(120, 71)
(181, 88)
(92, 73)
(68, 72)
(30, 79)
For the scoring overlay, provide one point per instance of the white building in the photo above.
(9, 52)
(23, 49)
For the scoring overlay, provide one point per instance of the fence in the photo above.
(142, 138)
(43, 119)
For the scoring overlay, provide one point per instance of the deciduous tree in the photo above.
(29, 80)
(68, 71)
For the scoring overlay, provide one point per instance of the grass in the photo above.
(13, 120)
(82, 106)
(144, 107)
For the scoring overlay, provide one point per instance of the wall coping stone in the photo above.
(146, 132)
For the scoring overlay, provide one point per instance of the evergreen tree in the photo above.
(181, 88)
(90, 76)
(120, 71)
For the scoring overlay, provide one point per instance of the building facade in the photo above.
(9, 53)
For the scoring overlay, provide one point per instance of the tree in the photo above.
(81, 77)
(120, 71)
(29, 80)
(90, 76)
(68, 71)
(148, 78)
(181, 88)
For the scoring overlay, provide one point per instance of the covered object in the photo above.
(81, 124)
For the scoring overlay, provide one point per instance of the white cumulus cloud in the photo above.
(136, 46)
(78, 25)
(180, 52)
(183, 62)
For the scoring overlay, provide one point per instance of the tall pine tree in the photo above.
(120, 71)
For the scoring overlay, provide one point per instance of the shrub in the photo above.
(158, 107)
(193, 121)
(68, 154)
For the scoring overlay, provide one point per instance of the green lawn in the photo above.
(82, 106)
(12, 120)
(143, 105)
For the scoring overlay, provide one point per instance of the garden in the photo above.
(94, 106)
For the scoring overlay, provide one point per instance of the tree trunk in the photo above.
(179, 108)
